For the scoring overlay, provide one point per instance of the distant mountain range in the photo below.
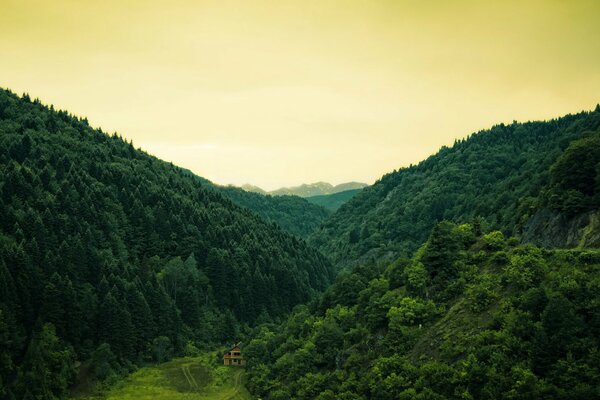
(308, 189)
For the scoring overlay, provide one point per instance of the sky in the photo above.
(279, 93)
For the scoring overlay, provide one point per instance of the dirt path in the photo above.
(166, 382)
(190, 378)
(237, 383)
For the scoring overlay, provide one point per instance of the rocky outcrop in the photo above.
(548, 228)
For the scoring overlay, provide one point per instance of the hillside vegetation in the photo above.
(496, 176)
(292, 213)
(111, 255)
(333, 201)
(112, 260)
(470, 316)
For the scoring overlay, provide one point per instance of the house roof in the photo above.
(233, 347)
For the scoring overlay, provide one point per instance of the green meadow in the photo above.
(188, 378)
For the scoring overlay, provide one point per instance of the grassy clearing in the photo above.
(188, 378)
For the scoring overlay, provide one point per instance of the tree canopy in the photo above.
(494, 177)
(109, 254)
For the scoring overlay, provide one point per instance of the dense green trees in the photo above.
(292, 213)
(494, 176)
(575, 176)
(333, 201)
(508, 322)
(111, 258)
(110, 255)
(48, 366)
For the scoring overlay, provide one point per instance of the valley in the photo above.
(299, 200)
(473, 274)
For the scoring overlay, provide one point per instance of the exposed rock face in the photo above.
(549, 228)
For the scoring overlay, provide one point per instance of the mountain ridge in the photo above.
(112, 257)
(308, 189)
(495, 175)
(293, 214)
(333, 201)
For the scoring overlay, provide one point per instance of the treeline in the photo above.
(292, 213)
(335, 200)
(501, 175)
(110, 255)
(575, 177)
(470, 316)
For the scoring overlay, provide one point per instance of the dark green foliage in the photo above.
(575, 176)
(292, 213)
(509, 322)
(494, 177)
(48, 366)
(333, 201)
(109, 254)
(442, 250)
(103, 362)
(162, 349)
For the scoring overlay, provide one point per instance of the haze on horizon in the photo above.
(279, 93)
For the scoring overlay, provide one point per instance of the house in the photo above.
(233, 356)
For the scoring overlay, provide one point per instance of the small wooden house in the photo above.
(233, 356)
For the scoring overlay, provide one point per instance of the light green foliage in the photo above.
(494, 241)
(482, 292)
(526, 268)
(190, 350)
(410, 312)
(525, 328)
(376, 300)
(417, 278)
(189, 378)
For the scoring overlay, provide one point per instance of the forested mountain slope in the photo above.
(565, 214)
(495, 175)
(292, 213)
(470, 316)
(333, 201)
(111, 254)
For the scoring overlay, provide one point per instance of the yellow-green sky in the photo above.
(279, 93)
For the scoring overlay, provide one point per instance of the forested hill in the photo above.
(470, 316)
(292, 213)
(333, 201)
(495, 176)
(109, 254)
